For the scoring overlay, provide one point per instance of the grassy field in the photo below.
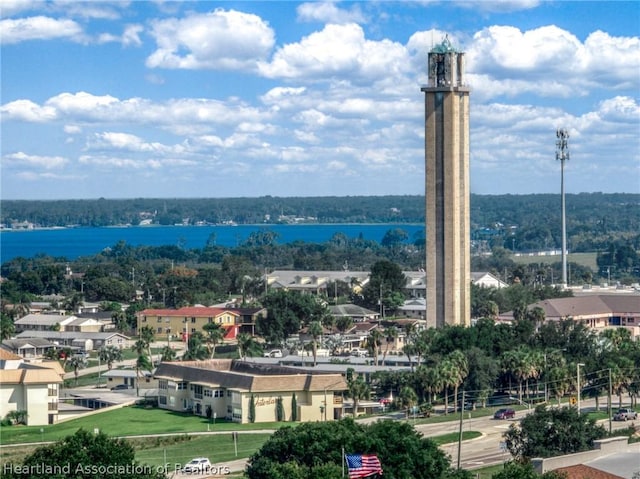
(181, 449)
(183, 436)
(127, 421)
(584, 259)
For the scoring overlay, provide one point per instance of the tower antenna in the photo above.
(562, 154)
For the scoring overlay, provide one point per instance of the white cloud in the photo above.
(328, 12)
(27, 110)
(22, 159)
(130, 36)
(338, 51)
(550, 61)
(39, 28)
(226, 40)
(11, 7)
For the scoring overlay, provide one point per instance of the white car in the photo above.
(199, 465)
(274, 353)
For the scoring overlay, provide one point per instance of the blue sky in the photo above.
(226, 99)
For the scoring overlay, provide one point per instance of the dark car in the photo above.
(504, 414)
(120, 387)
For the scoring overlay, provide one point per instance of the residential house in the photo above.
(42, 322)
(28, 347)
(30, 387)
(316, 282)
(82, 341)
(232, 389)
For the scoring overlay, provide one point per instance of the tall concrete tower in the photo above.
(447, 189)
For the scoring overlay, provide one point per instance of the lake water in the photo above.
(75, 242)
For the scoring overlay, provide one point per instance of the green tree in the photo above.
(551, 432)
(7, 326)
(196, 349)
(143, 364)
(80, 455)
(294, 408)
(77, 363)
(315, 331)
(314, 450)
(252, 409)
(518, 470)
(109, 355)
(214, 335)
(374, 341)
(147, 335)
(407, 399)
(357, 389)
(390, 334)
(167, 354)
(247, 346)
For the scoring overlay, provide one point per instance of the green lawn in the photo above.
(127, 421)
(584, 259)
(181, 449)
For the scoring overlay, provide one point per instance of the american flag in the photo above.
(364, 465)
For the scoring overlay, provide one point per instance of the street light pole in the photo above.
(578, 383)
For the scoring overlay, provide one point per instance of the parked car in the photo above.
(504, 414)
(359, 352)
(274, 353)
(624, 414)
(199, 464)
(120, 387)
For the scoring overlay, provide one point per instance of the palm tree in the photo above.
(146, 335)
(391, 334)
(196, 349)
(247, 345)
(143, 363)
(315, 331)
(109, 355)
(460, 371)
(448, 374)
(407, 398)
(77, 363)
(214, 336)
(7, 327)
(431, 380)
(357, 389)
(167, 354)
(374, 341)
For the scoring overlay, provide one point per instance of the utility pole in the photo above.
(578, 383)
(562, 154)
(610, 395)
(460, 436)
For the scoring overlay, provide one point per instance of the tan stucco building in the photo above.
(30, 387)
(182, 322)
(229, 386)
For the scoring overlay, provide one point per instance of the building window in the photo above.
(162, 399)
(53, 406)
(144, 319)
(182, 386)
(193, 330)
(163, 384)
(52, 390)
(197, 391)
(209, 320)
(193, 320)
(159, 331)
(208, 393)
(159, 319)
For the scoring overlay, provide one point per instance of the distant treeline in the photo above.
(613, 212)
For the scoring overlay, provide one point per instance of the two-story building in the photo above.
(235, 390)
(181, 323)
(29, 387)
